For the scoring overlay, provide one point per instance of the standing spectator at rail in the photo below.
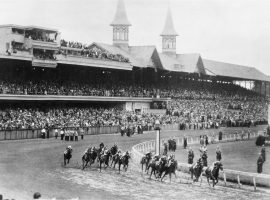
(249, 131)
(204, 157)
(62, 134)
(43, 133)
(220, 136)
(81, 130)
(71, 135)
(206, 140)
(165, 149)
(48, 132)
(201, 140)
(260, 163)
(218, 154)
(190, 156)
(66, 135)
(76, 135)
(56, 133)
(185, 142)
(263, 153)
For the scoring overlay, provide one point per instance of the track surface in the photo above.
(28, 166)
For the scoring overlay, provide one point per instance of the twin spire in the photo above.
(120, 17)
(121, 24)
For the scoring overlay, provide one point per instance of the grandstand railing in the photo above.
(36, 133)
(239, 177)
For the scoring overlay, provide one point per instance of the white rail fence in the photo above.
(228, 175)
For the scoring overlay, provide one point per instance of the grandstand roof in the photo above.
(146, 55)
(116, 50)
(190, 63)
(29, 27)
(120, 17)
(232, 70)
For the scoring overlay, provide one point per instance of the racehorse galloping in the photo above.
(170, 168)
(89, 156)
(157, 166)
(196, 169)
(213, 172)
(124, 160)
(115, 159)
(67, 155)
(146, 160)
(114, 150)
(104, 158)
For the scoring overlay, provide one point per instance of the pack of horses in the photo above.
(159, 165)
(108, 157)
(164, 165)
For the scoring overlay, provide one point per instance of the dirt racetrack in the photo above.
(28, 166)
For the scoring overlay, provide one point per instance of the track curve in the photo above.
(29, 166)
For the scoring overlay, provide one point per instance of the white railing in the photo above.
(239, 177)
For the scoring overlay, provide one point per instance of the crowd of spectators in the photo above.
(44, 55)
(18, 47)
(40, 36)
(89, 52)
(193, 107)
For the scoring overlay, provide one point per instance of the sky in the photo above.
(233, 31)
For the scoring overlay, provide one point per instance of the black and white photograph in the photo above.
(134, 99)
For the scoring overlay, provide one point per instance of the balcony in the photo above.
(44, 63)
(93, 62)
(41, 44)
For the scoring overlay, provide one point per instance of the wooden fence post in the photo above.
(254, 183)
(224, 178)
(238, 180)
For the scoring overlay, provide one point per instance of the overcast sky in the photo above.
(234, 31)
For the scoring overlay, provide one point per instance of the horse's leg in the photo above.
(142, 167)
(151, 173)
(100, 163)
(64, 161)
(163, 177)
(83, 164)
(119, 167)
(201, 180)
(208, 181)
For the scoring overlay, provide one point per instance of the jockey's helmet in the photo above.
(69, 147)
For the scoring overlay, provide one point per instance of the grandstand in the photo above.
(40, 67)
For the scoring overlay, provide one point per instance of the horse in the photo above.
(145, 161)
(67, 156)
(196, 169)
(124, 160)
(157, 167)
(213, 172)
(104, 158)
(89, 156)
(113, 151)
(115, 159)
(169, 168)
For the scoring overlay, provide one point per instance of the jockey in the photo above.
(148, 154)
(119, 152)
(68, 149)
